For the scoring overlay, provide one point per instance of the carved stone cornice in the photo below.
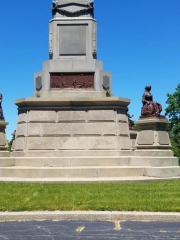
(87, 9)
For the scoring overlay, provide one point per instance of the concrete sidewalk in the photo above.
(89, 215)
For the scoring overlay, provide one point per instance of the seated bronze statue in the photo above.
(1, 110)
(150, 108)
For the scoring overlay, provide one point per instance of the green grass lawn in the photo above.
(149, 196)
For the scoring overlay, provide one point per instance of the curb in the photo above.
(89, 216)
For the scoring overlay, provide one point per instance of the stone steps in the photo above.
(89, 168)
(85, 180)
(89, 161)
(97, 153)
(93, 172)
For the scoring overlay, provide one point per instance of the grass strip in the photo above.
(146, 196)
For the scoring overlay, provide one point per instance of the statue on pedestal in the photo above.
(1, 110)
(150, 108)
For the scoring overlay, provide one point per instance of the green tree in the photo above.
(173, 113)
(10, 145)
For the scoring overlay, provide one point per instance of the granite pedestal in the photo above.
(3, 139)
(82, 124)
(152, 133)
(4, 153)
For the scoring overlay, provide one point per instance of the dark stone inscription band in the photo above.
(71, 80)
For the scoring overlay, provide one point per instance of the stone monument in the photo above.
(153, 126)
(69, 130)
(69, 110)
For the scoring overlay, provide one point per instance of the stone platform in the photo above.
(56, 125)
(85, 140)
(154, 165)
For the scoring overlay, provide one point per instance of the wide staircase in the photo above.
(161, 165)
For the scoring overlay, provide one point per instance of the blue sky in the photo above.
(138, 41)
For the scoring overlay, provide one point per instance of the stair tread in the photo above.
(85, 180)
(91, 157)
(89, 167)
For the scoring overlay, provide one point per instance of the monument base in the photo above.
(84, 140)
(3, 139)
(152, 133)
(82, 124)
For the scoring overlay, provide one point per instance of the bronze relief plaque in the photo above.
(71, 80)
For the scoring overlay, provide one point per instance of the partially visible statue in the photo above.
(150, 108)
(1, 110)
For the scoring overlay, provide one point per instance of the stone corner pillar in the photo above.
(152, 133)
(133, 136)
(3, 139)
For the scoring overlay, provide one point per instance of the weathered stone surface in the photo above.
(153, 133)
(125, 143)
(43, 143)
(2, 139)
(71, 143)
(163, 138)
(101, 115)
(120, 172)
(73, 93)
(103, 143)
(42, 116)
(20, 144)
(166, 172)
(146, 137)
(34, 129)
(109, 128)
(122, 117)
(86, 128)
(71, 116)
(13, 145)
(21, 130)
(123, 129)
(22, 117)
(133, 136)
(56, 129)
(71, 44)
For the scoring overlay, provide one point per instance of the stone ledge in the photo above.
(152, 121)
(73, 102)
(4, 154)
(91, 153)
(3, 123)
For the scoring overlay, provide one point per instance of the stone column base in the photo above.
(82, 124)
(152, 134)
(3, 139)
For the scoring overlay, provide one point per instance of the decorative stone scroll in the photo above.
(72, 80)
(89, 9)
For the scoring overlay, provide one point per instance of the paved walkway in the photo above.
(85, 230)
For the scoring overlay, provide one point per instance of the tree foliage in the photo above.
(173, 113)
(10, 145)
